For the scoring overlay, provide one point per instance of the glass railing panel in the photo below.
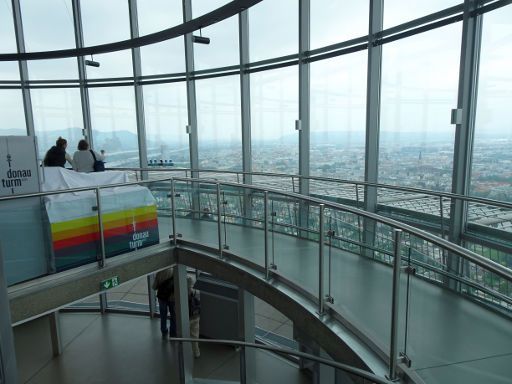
(415, 208)
(357, 287)
(292, 223)
(242, 223)
(285, 183)
(161, 191)
(497, 255)
(494, 218)
(459, 313)
(130, 217)
(343, 193)
(73, 228)
(196, 212)
(26, 242)
(131, 296)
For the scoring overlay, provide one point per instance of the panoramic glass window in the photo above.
(165, 111)
(223, 48)
(338, 116)
(219, 123)
(57, 112)
(114, 125)
(107, 22)
(396, 13)
(274, 109)
(336, 21)
(8, 70)
(37, 16)
(419, 89)
(112, 65)
(273, 29)
(491, 175)
(11, 110)
(167, 56)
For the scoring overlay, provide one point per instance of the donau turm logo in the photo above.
(14, 178)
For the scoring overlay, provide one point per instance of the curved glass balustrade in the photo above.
(338, 257)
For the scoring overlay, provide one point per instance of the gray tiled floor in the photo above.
(116, 348)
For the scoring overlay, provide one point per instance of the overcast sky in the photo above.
(419, 73)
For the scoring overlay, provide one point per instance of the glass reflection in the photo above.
(165, 110)
(491, 175)
(338, 117)
(419, 89)
(57, 112)
(274, 109)
(114, 125)
(11, 110)
(219, 123)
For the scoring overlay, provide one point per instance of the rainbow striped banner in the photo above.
(76, 242)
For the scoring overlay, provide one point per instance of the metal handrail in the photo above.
(451, 247)
(448, 195)
(344, 367)
(490, 265)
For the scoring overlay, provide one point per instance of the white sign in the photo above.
(18, 165)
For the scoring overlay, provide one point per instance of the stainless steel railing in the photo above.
(399, 230)
(286, 351)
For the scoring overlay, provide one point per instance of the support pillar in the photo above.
(372, 121)
(246, 332)
(184, 350)
(54, 319)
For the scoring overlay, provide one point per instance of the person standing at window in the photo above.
(57, 155)
(83, 160)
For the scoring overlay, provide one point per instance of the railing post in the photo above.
(321, 261)
(219, 224)
(441, 213)
(265, 228)
(173, 214)
(101, 261)
(395, 304)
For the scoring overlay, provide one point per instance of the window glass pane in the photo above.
(396, 12)
(156, 15)
(223, 48)
(419, 89)
(336, 21)
(273, 29)
(274, 109)
(8, 70)
(338, 116)
(105, 21)
(165, 111)
(56, 69)
(165, 57)
(115, 64)
(201, 7)
(11, 111)
(57, 112)
(7, 36)
(219, 123)
(38, 16)
(492, 157)
(114, 125)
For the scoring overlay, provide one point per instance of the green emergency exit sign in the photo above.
(110, 283)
